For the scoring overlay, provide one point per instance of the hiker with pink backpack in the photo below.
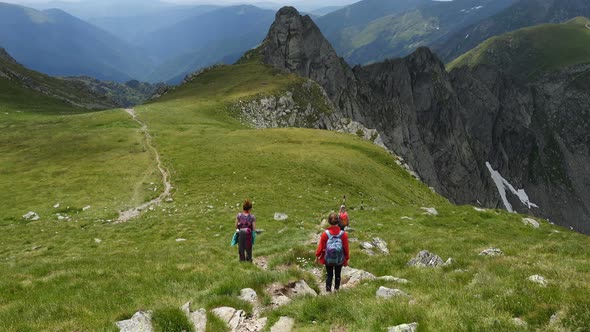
(333, 252)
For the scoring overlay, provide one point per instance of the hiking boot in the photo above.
(328, 290)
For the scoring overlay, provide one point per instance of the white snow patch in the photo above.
(502, 184)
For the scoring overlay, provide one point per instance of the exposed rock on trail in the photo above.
(140, 322)
(125, 216)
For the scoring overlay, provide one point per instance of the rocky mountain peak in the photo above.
(6, 57)
(294, 43)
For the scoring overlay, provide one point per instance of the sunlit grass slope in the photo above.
(72, 282)
(532, 51)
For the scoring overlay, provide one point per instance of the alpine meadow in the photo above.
(296, 129)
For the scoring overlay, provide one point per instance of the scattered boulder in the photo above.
(530, 222)
(492, 252)
(180, 240)
(426, 259)
(252, 325)
(386, 293)
(406, 218)
(555, 319)
(96, 240)
(301, 288)
(248, 295)
(539, 280)
(232, 317)
(169, 200)
(32, 216)
(285, 324)
(197, 318)
(56, 206)
(479, 209)
(376, 244)
(140, 322)
(86, 207)
(280, 216)
(394, 279)
(449, 261)
(430, 211)
(352, 277)
(519, 322)
(412, 327)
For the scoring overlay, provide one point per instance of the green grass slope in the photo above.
(20, 86)
(530, 52)
(57, 277)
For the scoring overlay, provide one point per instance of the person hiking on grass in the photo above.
(333, 252)
(245, 227)
(343, 217)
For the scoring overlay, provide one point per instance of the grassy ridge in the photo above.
(71, 282)
(530, 52)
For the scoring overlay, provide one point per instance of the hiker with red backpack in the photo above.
(343, 215)
(333, 252)
(245, 228)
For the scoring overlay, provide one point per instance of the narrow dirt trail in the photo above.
(136, 211)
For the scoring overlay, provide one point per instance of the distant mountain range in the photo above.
(56, 43)
(373, 30)
(530, 52)
(523, 13)
(163, 42)
(222, 35)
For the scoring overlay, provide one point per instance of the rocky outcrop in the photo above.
(476, 136)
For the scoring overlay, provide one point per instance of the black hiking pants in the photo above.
(245, 245)
(330, 269)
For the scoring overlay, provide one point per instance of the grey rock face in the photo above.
(426, 259)
(450, 126)
(140, 322)
(412, 327)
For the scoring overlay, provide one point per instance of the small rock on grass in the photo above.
(530, 222)
(394, 279)
(232, 317)
(386, 293)
(197, 318)
(140, 322)
(248, 295)
(31, 216)
(412, 327)
(492, 252)
(301, 288)
(427, 259)
(280, 216)
(430, 211)
(519, 322)
(539, 280)
(285, 324)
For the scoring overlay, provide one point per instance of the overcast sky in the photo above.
(317, 3)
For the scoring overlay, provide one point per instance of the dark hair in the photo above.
(333, 219)
(247, 205)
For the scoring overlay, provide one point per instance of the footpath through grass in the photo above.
(85, 275)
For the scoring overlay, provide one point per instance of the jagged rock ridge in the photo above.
(459, 129)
